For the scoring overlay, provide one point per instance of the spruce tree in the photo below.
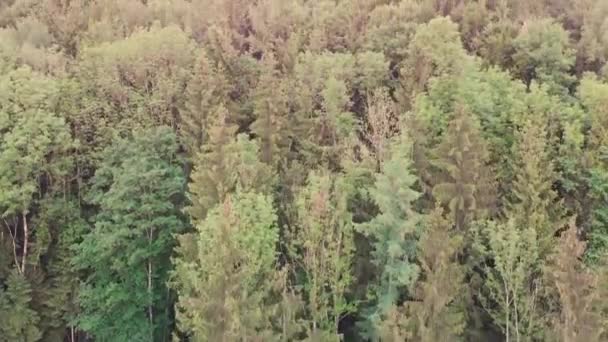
(393, 233)
(464, 182)
(270, 112)
(435, 312)
(533, 201)
(19, 320)
(225, 162)
(205, 93)
(594, 97)
(223, 288)
(576, 288)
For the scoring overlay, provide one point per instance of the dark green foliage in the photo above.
(464, 183)
(138, 189)
(19, 321)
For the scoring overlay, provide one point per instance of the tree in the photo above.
(270, 111)
(138, 189)
(206, 91)
(576, 289)
(511, 286)
(435, 312)
(321, 247)
(19, 320)
(224, 163)
(464, 183)
(436, 49)
(534, 204)
(34, 148)
(393, 232)
(543, 53)
(131, 83)
(594, 97)
(223, 271)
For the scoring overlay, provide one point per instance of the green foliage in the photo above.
(543, 53)
(19, 321)
(35, 140)
(511, 288)
(594, 96)
(534, 204)
(126, 254)
(576, 288)
(205, 93)
(464, 182)
(393, 231)
(134, 82)
(435, 313)
(225, 163)
(222, 269)
(321, 245)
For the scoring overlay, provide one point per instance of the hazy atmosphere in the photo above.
(303, 170)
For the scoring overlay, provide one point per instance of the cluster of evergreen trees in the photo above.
(293, 170)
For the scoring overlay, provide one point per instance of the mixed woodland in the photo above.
(303, 170)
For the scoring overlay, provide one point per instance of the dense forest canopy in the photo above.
(303, 170)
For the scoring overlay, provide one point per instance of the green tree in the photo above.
(205, 93)
(543, 53)
(223, 287)
(435, 311)
(534, 203)
(594, 98)
(436, 49)
(464, 182)
(19, 320)
(575, 286)
(321, 246)
(138, 189)
(393, 232)
(270, 111)
(224, 163)
(511, 287)
(34, 148)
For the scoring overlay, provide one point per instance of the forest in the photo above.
(303, 170)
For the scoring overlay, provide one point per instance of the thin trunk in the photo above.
(25, 242)
(150, 307)
(10, 232)
(516, 319)
(507, 319)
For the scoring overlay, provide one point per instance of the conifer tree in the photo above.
(322, 247)
(138, 190)
(465, 182)
(435, 313)
(534, 203)
(270, 112)
(225, 162)
(19, 320)
(205, 92)
(576, 288)
(223, 288)
(393, 232)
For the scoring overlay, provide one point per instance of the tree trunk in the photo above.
(150, 297)
(25, 242)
